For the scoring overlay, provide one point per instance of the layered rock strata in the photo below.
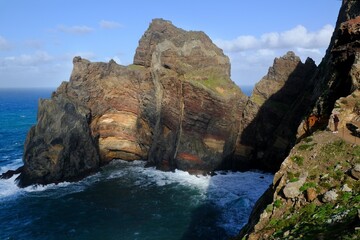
(175, 107)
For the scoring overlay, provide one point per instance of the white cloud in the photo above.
(39, 57)
(251, 56)
(297, 37)
(78, 30)
(4, 44)
(239, 44)
(109, 24)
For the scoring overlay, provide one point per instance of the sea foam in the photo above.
(233, 193)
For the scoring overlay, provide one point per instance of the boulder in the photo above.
(330, 196)
(311, 194)
(346, 188)
(292, 189)
(355, 172)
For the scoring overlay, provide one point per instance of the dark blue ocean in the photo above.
(122, 201)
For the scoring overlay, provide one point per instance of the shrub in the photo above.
(293, 177)
(307, 185)
(277, 203)
(306, 147)
(298, 160)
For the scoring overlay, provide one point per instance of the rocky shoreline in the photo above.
(176, 107)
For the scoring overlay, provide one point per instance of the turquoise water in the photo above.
(123, 200)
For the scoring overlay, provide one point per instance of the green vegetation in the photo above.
(214, 80)
(327, 221)
(135, 67)
(258, 99)
(327, 164)
(307, 147)
(307, 185)
(298, 160)
(269, 208)
(277, 203)
(337, 148)
(293, 177)
(327, 170)
(308, 139)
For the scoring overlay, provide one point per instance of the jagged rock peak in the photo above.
(290, 55)
(179, 50)
(284, 66)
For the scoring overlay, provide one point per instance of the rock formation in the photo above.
(323, 162)
(175, 107)
(274, 112)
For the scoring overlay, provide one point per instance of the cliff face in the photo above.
(338, 73)
(315, 193)
(175, 107)
(198, 108)
(274, 111)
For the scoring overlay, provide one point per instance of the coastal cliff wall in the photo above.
(315, 193)
(175, 107)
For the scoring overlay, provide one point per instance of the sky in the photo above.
(39, 38)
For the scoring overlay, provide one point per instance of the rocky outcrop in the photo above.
(315, 210)
(198, 107)
(313, 196)
(61, 144)
(275, 109)
(338, 73)
(175, 107)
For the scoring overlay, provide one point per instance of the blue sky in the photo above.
(39, 38)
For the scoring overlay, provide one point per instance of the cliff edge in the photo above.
(175, 107)
(315, 194)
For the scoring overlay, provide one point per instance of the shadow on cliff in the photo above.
(272, 132)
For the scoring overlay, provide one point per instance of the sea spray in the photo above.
(124, 200)
(126, 193)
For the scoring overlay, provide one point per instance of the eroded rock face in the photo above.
(198, 107)
(337, 76)
(274, 112)
(60, 147)
(175, 107)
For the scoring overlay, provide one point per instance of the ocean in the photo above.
(123, 200)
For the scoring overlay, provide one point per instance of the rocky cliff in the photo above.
(315, 194)
(274, 111)
(175, 107)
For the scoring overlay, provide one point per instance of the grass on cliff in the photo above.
(327, 221)
(213, 80)
(327, 160)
